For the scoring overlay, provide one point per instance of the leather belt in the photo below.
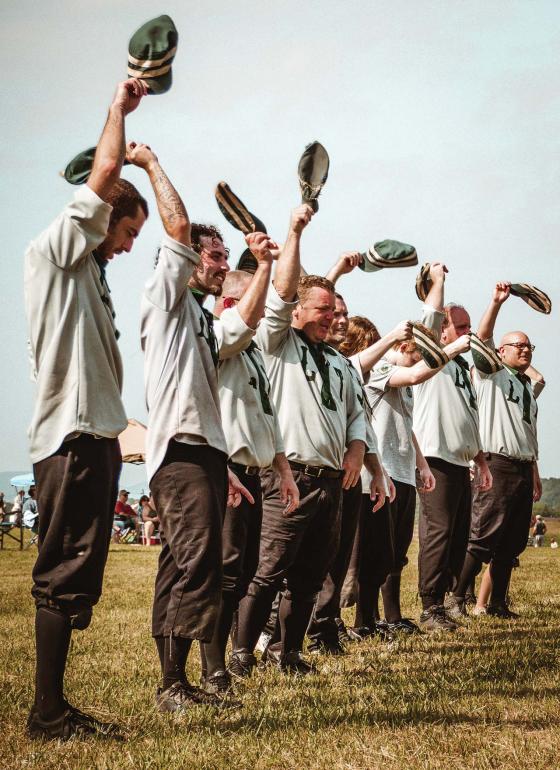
(248, 470)
(317, 471)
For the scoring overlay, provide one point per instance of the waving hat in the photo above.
(151, 51)
(388, 254)
(313, 170)
(485, 359)
(428, 347)
(534, 297)
(423, 282)
(236, 212)
(79, 168)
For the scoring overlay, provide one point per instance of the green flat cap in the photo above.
(247, 262)
(428, 347)
(236, 212)
(534, 297)
(313, 170)
(151, 51)
(485, 359)
(388, 254)
(423, 282)
(79, 168)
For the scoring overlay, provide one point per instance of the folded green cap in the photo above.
(236, 212)
(423, 282)
(388, 254)
(313, 170)
(485, 359)
(79, 168)
(151, 51)
(429, 348)
(534, 297)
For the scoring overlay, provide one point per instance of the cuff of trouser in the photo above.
(78, 612)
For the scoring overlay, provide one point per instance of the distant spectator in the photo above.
(30, 512)
(553, 543)
(17, 507)
(125, 517)
(3, 513)
(539, 531)
(150, 520)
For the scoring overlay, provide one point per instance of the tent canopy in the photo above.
(23, 480)
(133, 442)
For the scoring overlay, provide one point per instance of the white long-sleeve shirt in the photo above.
(180, 359)
(313, 432)
(73, 347)
(445, 408)
(248, 414)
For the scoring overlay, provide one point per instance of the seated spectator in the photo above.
(125, 517)
(553, 543)
(150, 520)
(17, 507)
(30, 512)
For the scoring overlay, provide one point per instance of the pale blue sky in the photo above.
(441, 119)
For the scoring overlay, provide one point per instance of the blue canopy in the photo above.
(24, 480)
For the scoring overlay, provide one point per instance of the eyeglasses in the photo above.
(519, 345)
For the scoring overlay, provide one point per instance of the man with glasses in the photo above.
(501, 516)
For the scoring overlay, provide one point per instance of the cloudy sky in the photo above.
(441, 120)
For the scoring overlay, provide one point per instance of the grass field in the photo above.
(484, 697)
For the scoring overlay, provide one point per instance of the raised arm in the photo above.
(435, 296)
(370, 356)
(251, 305)
(288, 267)
(170, 206)
(499, 295)
(344, 265)
(420, 372)
(110, 152)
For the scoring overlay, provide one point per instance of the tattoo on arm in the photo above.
(171, 208)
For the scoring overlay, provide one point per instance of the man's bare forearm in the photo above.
(171, 208)
(109, 155)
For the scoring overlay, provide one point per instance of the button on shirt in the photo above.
(248, 414)
(312, 389)
(179, 347)
(508, 413)
(72, 336)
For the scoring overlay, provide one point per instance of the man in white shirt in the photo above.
(446, 427)
(324, 437)
(186, 450)
(501, 516)
(78, 413)
(253, 439)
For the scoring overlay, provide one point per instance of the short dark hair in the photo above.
(198, 230)
(125, 199)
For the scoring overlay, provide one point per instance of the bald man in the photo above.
(501, 516)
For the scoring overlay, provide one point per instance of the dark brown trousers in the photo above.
(501, 517)
(190, 493)
(443, 530)
(297, 549)
(76, 493)
(327, 606)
